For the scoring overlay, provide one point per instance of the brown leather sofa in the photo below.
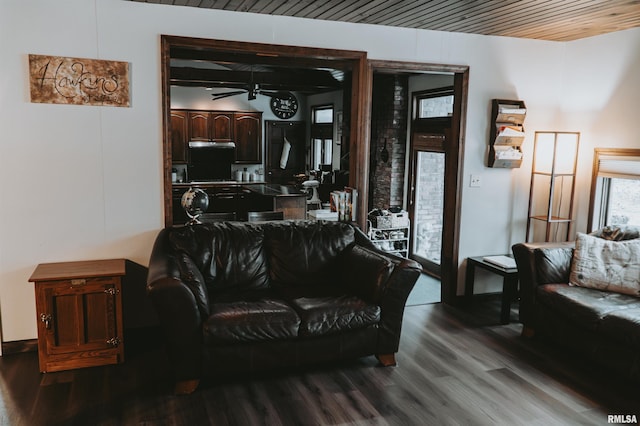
(599, 326)
(238, 296)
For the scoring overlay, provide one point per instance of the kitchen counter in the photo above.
(211, 184)
(242, 197)
(260, 188)
(275, 190)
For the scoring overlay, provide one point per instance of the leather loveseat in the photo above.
(600, 326)
(237, 296)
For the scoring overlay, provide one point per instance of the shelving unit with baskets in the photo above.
(390, 233)
(507, 133)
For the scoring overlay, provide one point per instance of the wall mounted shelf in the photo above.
(507, 133)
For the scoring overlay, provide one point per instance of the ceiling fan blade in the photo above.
(217, 96)
(275, 93)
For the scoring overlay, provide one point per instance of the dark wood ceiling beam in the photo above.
(306, 80)
(256, 58)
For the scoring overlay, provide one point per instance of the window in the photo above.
(321, 137)
(615, 188)
(436, 103)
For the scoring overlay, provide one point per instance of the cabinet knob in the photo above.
(46, 319)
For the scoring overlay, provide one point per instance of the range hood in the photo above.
(211, 144)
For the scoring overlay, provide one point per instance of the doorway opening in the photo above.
(437, 140)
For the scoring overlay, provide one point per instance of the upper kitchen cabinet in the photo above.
(199, 126)
(221, 126)
(179, 137)
(208, 126)
(248, 137)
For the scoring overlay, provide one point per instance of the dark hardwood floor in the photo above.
(455, 367)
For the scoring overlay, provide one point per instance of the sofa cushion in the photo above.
(583, 306)
(624, 324)
(306, 253)
(606, 265)
(332, 314)
(241, 261)
(253, 319)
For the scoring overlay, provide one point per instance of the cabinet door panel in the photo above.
(179, 136)
(83, 316)
(222, 126)
(199, 126)
(247, 131)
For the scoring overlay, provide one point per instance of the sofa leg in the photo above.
(528, 332)
(387, 360)
(185, 387)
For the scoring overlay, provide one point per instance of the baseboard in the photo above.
(19, 346)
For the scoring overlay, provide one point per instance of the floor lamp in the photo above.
(553, 176)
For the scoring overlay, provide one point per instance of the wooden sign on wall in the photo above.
(78, 81)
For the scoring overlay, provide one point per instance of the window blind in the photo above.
(623, 167)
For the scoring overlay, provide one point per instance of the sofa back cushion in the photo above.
(306, 252)
(241, 261)
(229, 255)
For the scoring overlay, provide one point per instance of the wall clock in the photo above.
(284, 105)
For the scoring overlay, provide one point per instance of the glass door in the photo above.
(426, 203)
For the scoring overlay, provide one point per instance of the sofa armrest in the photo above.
(540, 263)
(177, 309)
(384, 279)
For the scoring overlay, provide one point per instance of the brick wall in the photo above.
(389, 114)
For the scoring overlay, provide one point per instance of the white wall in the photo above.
(84, 182)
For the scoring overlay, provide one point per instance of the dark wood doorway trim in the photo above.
(294, 56)
(453, 165)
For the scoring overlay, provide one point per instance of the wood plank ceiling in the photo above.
(557, 20)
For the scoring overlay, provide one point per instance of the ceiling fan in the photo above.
(252, 90)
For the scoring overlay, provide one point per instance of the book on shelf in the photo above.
(344, 202)
(501, 261)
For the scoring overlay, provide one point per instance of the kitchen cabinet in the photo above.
(221, 126)
(198, 125)
(179, 137)
(210, 126)
(248, 137)
(79, 313)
